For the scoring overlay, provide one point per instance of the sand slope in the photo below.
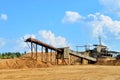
(21, 63)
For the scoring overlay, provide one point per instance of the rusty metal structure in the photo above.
(63, 54)
(44, 47)
(38, 42)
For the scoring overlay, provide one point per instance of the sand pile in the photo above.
(108, 61)
(22, 63)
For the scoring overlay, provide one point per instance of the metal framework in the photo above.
(62, 53)
(32, 40)
(44, 47)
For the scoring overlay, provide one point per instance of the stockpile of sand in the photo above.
(22, 63)
(108, 61)
(49, 57)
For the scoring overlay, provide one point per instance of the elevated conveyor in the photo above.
(82, 56)
(38, 42)
(64, 51)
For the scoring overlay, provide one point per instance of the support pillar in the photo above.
(41, 53)
(46, 52)
(36, 52)
(85, 61)
(51, 56)
(31, 50)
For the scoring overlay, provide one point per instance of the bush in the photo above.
(10, 55)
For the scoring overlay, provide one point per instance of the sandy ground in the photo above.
(73, 72)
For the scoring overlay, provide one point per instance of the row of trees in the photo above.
(10, 55)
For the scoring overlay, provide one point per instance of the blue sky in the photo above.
(59, 23)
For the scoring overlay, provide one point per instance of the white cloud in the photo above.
(51, 39)
(111, 6)
(4, 17)
(2, 42)
(29, 35)
(21, 45)
(71, 17)
(102, 23)
(45, 35)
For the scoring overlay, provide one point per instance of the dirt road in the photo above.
(74, 72)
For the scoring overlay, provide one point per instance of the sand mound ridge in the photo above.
(23, 62)
(108, 61)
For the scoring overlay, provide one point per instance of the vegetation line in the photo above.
(10, 55)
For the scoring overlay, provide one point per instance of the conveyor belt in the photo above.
(83, 56)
